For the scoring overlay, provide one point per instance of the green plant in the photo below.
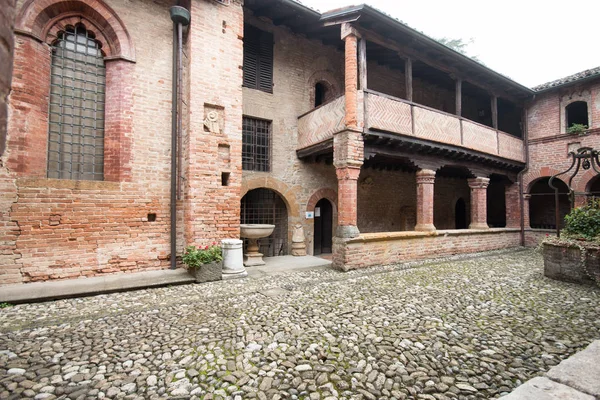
(194, 256)
(577, 128)
(584, 222)
(5, 305)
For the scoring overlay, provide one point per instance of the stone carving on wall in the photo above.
(212, 122)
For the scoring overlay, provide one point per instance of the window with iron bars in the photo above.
(76, 110)
(256, 145)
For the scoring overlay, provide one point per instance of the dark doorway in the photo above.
(460, 214)
(264, 206)
(542, 204)
(323, 227)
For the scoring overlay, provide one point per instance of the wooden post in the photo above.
(458, 97)
(408, 74)
(362, 63)
(495, 111)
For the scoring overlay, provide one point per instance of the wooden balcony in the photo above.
(389, 114)
(394, 115)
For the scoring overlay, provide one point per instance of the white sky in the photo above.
(531, 41)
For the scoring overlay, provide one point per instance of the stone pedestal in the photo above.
(298, 244)
(233, 261)
(253, 257)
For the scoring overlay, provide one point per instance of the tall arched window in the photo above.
(76, 112)
(577, 113)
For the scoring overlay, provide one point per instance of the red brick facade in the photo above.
(56, 229)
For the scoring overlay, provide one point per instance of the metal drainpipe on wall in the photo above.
(522, 173)
(180, 17)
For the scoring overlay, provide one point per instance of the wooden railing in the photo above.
(392, 114)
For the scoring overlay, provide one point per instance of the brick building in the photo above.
(401, 147)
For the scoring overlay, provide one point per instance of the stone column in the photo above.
(479, 202)
(513, 205)
(425, 182)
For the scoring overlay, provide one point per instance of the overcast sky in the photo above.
(531, 41)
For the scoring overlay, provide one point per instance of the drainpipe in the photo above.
(180, 17)
(521, 173)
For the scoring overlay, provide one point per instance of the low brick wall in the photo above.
(534, 236)
(387, 248)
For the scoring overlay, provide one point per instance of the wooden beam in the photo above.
(408, 52)
(409, 82)
(362, 64)
(494, 111)
(458, 94)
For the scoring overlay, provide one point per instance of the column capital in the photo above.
(479, 182)
(349, 30)
(425, 176)
(347, 172)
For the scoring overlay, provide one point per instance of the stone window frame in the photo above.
(37, 27)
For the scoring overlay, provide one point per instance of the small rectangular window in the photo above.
(258, 59)
(256, 145)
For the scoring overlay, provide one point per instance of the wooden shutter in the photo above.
(258, 59)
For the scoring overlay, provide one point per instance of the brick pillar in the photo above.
(479, 202)
(347, 197)
(526, 222)
(425, 182)
(513, 205)
(350, 37)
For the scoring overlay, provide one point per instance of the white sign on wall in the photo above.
(317, 211)
(310, 215)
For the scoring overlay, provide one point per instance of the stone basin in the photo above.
(256, 231)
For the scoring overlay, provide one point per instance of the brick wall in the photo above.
(54, 229)
(374, 249)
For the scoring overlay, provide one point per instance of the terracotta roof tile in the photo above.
(588, 73)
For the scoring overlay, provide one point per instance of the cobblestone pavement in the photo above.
(465, 328)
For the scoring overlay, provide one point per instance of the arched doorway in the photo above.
(323, 227)
(264, 206)
(460, 214)
(542, 204)
(593, 189)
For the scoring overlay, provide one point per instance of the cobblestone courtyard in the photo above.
(465, 328)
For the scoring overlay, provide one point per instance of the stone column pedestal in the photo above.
(479, 202)
(425, 183)
(233, 259)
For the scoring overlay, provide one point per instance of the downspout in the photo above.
(180, 17)
(523, 172)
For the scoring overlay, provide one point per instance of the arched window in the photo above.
(321, 93)
(577, 113)
(76, 111)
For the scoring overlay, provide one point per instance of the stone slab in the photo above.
(542, 388)
(42, 291)
(580, 371)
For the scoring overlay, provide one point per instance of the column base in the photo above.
(425, 227)
(253, 259)
(347, 231)
(478, 225)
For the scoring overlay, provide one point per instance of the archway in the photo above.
(265, 206)
(460, 214)
(542, 204)
(323, 227)
(593, 188)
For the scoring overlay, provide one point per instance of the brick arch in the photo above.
(585, 181)
(329, 78)
(43, 19)
(287, 193)
(323, 193)
(535, 175)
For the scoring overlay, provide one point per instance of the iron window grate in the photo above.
(256, 145)
(264, 206)
(76, 107)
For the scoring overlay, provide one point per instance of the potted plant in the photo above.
(205, 264)
(577, 129)
(575, 256)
